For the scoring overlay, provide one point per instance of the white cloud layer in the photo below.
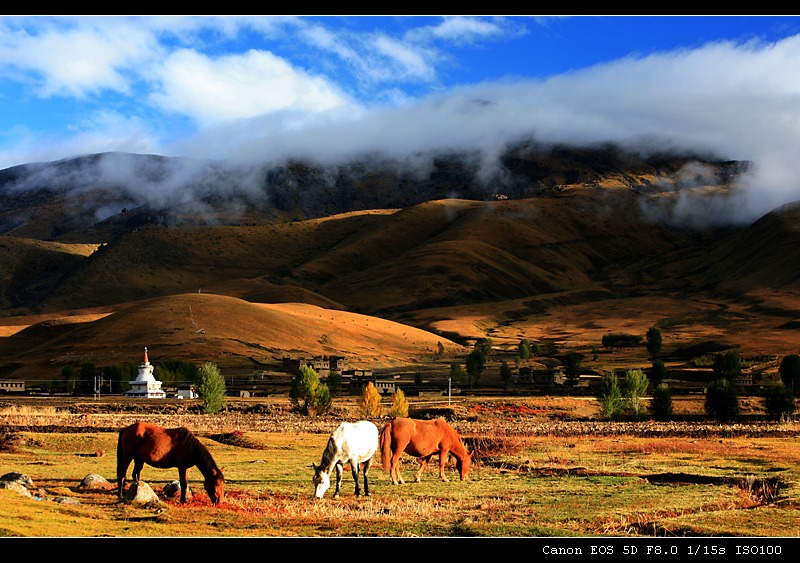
(739, 100)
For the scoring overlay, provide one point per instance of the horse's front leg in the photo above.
(122, 469)
(339, 471)
(423, 463)
(443, 455)
(183, 477)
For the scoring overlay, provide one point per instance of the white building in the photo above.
(145, 385)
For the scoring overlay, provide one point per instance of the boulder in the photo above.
(140, 492)
(14, 486)
(173, 491)
(95, 482)
(20, 478)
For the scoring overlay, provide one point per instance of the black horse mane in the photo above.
(203, 459)
(329, 456)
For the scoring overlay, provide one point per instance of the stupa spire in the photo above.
(145, 356)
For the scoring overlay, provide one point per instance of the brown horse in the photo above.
(167, 447)
(422, 439)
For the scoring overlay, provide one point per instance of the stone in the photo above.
(20, 478)
(140, 492)
(95, 482)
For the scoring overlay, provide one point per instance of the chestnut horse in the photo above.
(159, 447)
(422, 439)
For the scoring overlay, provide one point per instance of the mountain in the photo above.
(557, 244)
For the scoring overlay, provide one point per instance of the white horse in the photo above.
(355, 443)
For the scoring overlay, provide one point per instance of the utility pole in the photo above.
(449, 379)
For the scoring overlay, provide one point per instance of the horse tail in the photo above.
(386, 446)
(121, 470)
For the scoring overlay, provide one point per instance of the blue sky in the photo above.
(266, 88)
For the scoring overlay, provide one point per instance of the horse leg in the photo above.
(364, 472)
(397, 479)
(423, 463)
(122, 470)
(183, 477)
(443, 455)
(138, 464)
(354, 468)
(339, 470)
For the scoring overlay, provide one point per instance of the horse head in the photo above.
(215, 486)
(464, 464)
(321, 481)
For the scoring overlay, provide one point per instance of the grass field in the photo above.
(722, 481)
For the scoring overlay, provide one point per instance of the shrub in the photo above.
(661, 404)
(790, 372)
(779, 402)
(635, 386)
(309, 395)
(211, 388)
(370, 401)
(621, 340)
(722, 403)
(399, 404)
(611, 402)
(658, 373)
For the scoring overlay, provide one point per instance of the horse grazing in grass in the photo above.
(422, 439)
(167, 447)
(355, 443)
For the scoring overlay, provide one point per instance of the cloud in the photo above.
(233, 87)
(343, 96)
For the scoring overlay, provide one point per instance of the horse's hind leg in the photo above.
(364, 471)
(394, 472)
(122, 469)
(423, 463)
(138, 464)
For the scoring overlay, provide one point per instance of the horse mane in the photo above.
(203, 458)
(330, 456)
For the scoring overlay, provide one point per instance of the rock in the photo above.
(65, 500)
(20, 478)
(140, 492)
(14, 486)
(95, 482)
(173, 491)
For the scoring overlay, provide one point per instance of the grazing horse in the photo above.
(167, 447)
(422, 439)
(355, 443)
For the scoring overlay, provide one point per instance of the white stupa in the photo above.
(145, 385)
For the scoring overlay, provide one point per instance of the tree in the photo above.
(309, 395)
(635, 386)
(654, 341)
(779, 402)
(475, 362)
(505, 373)
(572, 367)
(524, 349)
(399, 404)
(114, 376)
(334, 382)
(68, 373)
(728, 365)
(211, 388)
(661, 405)
(722, 403)
(87, 378)
(370, 401)
(611, 402)
(790, 372)
(658, 373)
(457, 373)
(439, 350)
